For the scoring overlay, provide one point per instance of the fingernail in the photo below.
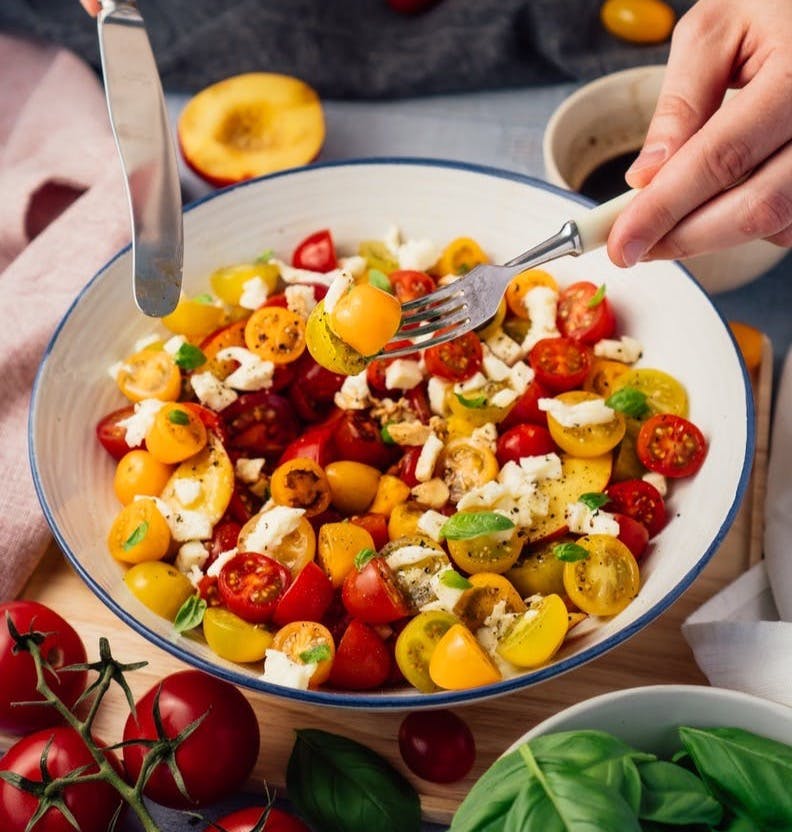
(648, 158)
(633, 251)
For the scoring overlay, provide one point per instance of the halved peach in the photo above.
(249, 125)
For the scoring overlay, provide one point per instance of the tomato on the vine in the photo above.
(437, 745)
(219, 755)
(316, 253)
(61, 647)
(243, 820)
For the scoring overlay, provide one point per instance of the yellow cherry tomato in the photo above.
(494, 552)
(536, 635)
(139, 533)
(303, 641)
(232, 335)
(159, 586)
(194, 317)
(327, 348)
(353, 485)
(603, 375)
(607, 580)
(750, 341)
(403, 521)
(486, 590)
(664, 394)
(520, 285)
(416, 643)
(586, 440)
(459, 662)
(229, 282)
(391, 492)
(275, 334)
(464, 465)
(476, 407)
(638, 21)
(150, 374)
(460, 256)
(233, 638)
(414, 560)
(301, 483)
(176, 434)
(539, 572)
(366, 318)
(337, 547)
(378, 256)
(626, 465)
(139, 472)
(294, 551)
(491, 327)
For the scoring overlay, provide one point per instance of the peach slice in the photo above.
(249, 125)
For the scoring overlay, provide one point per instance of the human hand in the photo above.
(715, 176)
(91, 6)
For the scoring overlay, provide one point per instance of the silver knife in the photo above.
(143, 137)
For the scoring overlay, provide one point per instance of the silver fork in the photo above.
(473, 299)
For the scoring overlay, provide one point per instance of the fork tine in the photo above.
(434, 298)
(440, 338)
(440, 323)
(448, 308)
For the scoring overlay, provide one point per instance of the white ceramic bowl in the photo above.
(647, 718)
(610, 116)
(659, 303)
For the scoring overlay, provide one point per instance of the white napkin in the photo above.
(742, 637)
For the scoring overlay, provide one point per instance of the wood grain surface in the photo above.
(495, 723)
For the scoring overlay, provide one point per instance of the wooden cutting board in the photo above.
(496, 723)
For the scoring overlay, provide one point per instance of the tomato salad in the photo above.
(442, 520)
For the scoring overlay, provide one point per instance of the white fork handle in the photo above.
(594, 225)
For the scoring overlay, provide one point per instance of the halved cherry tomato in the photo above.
(353, 485)
(664, 394)
(176, 434)
(495, 552)
(641, 501)
(316, 444)
(233, 638)
(362, 660)
(418, 399)
(535, 637)
(307, 598)
(299, 639)
(210, 418)
(526, 408)
(417, 642)
(456, 360)
(586, 440)
(409, 284)
(251, 584)
(582, 315)
(150, 374)
(634, 535)
(313, 389)
(376, 525)
(487, 589)
(260, 424)
(337, 547)
(522, 284)
(372, 594)
(464, 464)
(459, 662)
(404, 469)
(560, 364)
(232, 335)
(460, 256)
(603, 376)
(275, 334)
(111, 436)
(228, 282)
(139, 533)
(224, 538)
(194, 318)
(524, 440)
(301, 483)
(316, 253)
(358, 437)
(671, 445)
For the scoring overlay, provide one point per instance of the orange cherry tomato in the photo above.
(306, 642)
(140, 472)
(522, 284)
(638, 21)
(177, 434)
(750, 341)
(301, 483)
(150, 374)
(366, 318)
(460, 662)
(460, 256)
(232, 335)
(139, 533)
(275, 334)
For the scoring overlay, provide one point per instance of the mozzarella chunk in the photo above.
(272, 526)
(354, 393)
(187, 490)
(626, 349)
(300, 299)
(140, 422)
(173, 345)
(192, 554)
(184, 525)
(252, 373)
(430, 523)
(220, 561)
(541, 303)
(542, 467)
(520, 377)
(475, 382)
(504, 347)
(486, 436)
(494, 367)
(582, 520)
(279, 669)
(290, 274)
(341, 284)
(436, 391)
(403, 374)
(411, 555)
(446, 597)
(503, 398)
(418, 255)
(657, 480)
(249, 470)
(211, 391)
(424, 468)
(355, 265)
(254, 293)
(591, 412)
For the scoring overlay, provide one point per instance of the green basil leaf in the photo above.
(265, 256)
(673, 795)
(380, 280)
(597, 297)
(363, 557)
(593, 500)
(474, 402)
(629, 401)
(467, 524)
(205, 298)
(139, 533)
(570, 552)
(317, 654)
(190, 614)
(188, 357)
(339, 785)
(733, 763)
(453, 580)
(385, 434)
(178, 417)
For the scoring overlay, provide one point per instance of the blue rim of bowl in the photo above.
(387, 700)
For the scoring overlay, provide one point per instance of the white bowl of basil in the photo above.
(665, 757)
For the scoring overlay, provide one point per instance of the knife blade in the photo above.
(142, 133)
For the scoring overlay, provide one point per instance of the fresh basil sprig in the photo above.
(570, 552)
(475, 402)
(190, 614)
(341, 786)
(453, 580)
(466, 524)
(629, 401)
(593, 500)
(138, 535)
(189, 357)
(380, 280)
(597, 298)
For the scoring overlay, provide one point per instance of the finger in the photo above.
(759, 208)
(91, 6)
(704, 48)
(744, 132)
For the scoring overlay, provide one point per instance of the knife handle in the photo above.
(121, 6)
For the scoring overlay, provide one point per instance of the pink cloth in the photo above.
(62, 216)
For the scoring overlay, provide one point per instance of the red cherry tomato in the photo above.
(358, 437)
(316, 253)
(404, 469)
(313, 389)
(633, 535)
(307, 598)
(456, 360)
(316, 444)
(243, 504)
(210, 419)
(437, 745)
(244, 820)
(419, 403)
(362, 661)
(216, 759)
(372, 594)
(376, 370)
(640, 500)
(251, 584)
(526, 408)
(113, 437)
(409, 285)
(207, 589)
(671, 445)
(410, 6)
(224, 538)
(524, 440)
(376, 525)
(260, 423)
(60, 648)
(560, 363)
(581, 316)
(92, 804)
